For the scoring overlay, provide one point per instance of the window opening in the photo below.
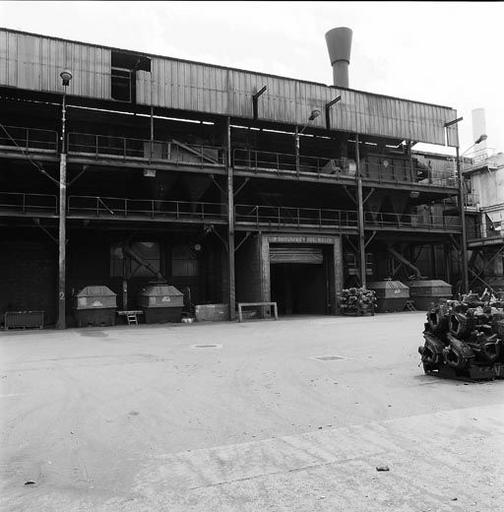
(123, 75)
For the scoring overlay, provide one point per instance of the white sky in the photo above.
(446, 53)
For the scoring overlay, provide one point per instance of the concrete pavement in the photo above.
(130, 419)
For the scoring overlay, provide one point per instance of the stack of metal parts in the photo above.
(357, 301)
(465, 338)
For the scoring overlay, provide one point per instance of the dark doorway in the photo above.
(299, 288)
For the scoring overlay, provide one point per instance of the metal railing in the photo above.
(286, 163)
(150, 208)
(259, 215)
(28, 203)
(411, 221)
(291, 216)
(387, 173)
(324, 218)
(404, 171)
(28, 139)
(172, 152)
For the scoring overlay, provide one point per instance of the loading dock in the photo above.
(301, 273)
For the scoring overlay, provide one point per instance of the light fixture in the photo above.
(314, 114)
(481, 138)
(66, 76)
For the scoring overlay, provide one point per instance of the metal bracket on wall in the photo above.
(84, 169)
(370, 239)
(345, 188)
(36, 221)
(210, 228)
(370, 193)
(454, 242)
(327, 109)
(216, 183)
(240, 188)
(352, 246)
(243, 240)
(255, 98)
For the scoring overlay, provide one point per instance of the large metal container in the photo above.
(161, 303)
(425, 292)
(390, 295)
(96, 306)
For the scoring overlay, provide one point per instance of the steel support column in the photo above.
(360, 209)
(61, 323)
(463, 249)
(231, 234)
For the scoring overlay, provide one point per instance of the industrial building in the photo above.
(234, 186)
(483, 176)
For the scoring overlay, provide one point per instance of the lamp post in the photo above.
(314, 114)
(66, 76)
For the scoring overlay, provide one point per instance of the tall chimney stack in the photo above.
(339, 43)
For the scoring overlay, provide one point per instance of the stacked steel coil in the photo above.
(465, 337)
(357, 301)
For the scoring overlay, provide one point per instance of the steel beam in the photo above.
(231, 222)
(461, 195)
(360, 209)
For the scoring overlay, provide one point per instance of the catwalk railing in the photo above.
(28, 139)
(27, 204)
(379, 169)
(256, 215)
(150, 208)
(325, 218)
(123, 148)
(388, 171)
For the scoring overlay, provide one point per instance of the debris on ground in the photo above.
(30, 482)
(382, 468)
(464, 338)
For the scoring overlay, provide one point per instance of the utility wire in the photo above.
(35, 164)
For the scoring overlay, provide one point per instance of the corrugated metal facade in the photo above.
(34, 62)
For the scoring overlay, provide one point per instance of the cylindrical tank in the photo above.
(425, 292)
(95, 306)
(339, 44)
(161, 303)
(390, 295)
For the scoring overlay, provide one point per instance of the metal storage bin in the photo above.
(390, 295)
(23, 320)
(161, 303)
(425, 292)
(95, 306)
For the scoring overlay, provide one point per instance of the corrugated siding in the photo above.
(190, 86)
(33, 62)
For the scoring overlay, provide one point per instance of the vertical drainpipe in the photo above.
(465, 271)
(231, 240)
(360, 207)
(61, 324)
